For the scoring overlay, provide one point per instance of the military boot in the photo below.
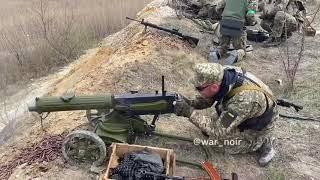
(214, 55)
(267, 153)
(272, 41)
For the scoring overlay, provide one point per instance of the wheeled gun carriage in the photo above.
(115, 118)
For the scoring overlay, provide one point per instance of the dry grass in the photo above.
(38, 36)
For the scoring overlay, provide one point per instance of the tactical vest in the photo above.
(235, 10)
(255, 123)
(233, 18)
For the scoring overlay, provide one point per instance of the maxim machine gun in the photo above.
(115, 118)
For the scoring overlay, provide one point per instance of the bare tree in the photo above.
(291, 61)
(58, 32)
(292, 57)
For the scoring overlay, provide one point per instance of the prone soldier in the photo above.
(208, 9)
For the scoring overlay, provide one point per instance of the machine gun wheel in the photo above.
(84, 148)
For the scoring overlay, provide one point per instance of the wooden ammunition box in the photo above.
(118, 150)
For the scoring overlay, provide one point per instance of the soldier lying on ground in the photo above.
(208, 9)
(245, 106)
(206, 15)
(281, 20)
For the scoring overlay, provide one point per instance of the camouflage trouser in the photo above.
(238, 43)
(282, 22)
(247, 141)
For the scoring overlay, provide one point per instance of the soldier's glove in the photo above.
(182, 108)
(180, 96)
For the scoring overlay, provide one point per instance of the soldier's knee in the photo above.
(239, 43)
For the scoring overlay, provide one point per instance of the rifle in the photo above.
(192, 40)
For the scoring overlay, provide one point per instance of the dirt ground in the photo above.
(134, 60)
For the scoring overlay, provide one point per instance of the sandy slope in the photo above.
(133, 60)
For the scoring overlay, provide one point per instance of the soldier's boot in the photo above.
(272, 41)
(214, 56)
(267, 153)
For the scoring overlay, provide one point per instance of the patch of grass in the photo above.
(276, 174)
(306, 91)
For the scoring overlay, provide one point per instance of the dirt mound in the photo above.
(132, 59)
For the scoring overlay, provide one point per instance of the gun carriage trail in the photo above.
(135, 59)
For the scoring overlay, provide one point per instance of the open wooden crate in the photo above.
(118, 150)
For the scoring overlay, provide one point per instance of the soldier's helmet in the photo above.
(207, 73)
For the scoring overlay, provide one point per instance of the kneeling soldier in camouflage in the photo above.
(245, 105)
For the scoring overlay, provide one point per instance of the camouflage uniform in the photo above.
(239, 43)
(247, 104)
(282, 17)
(208, 9)
(207, 15)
